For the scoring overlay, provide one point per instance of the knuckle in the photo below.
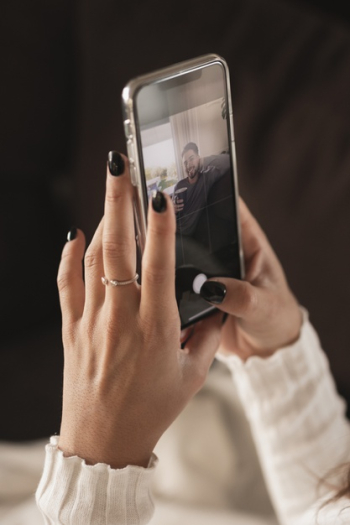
(155, 229)
(92, 258)
(63, 281)
(118, 190)
(248, 300)
(158, 228)
(116, 248)
(155, 276)
(69, 331)
(114, 194)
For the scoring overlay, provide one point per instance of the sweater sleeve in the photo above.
(298, 422)
(72, 492)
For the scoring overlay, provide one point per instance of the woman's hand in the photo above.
(263, 313)
(125, 376)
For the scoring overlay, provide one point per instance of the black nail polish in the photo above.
(158, 201)
(213, 292)
(73, 232)
(116, 164)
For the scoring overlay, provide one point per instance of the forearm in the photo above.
(297, 420)
(72, 492)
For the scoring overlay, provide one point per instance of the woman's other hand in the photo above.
(126, 377)
(263, 313)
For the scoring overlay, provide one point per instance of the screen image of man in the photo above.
(191, 193)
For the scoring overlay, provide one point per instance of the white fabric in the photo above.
(208, 473)
(300, 429)
(93, 494)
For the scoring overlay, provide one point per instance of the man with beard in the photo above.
(191, 193)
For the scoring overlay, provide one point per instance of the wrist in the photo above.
(103, 445)
(94, 452)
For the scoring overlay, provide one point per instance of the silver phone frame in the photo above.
(128, 104)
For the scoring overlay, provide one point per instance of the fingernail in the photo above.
(116, 164)
(158, 201)
(72, 234)
(213, 292)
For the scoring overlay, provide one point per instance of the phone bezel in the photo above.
(133, 139)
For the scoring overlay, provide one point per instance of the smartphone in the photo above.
(179, 130)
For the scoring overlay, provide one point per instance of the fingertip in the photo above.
(75, 234)
(161, 210)
(213, 291)
(72, 234)
(234, 296)
(117, 164)
(160, 201)
(75, 241)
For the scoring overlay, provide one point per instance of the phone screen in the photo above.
(184, 138)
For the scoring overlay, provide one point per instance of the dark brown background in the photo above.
(63, 67)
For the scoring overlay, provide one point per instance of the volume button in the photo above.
(132, 170)
(128, 129)
(130, 149)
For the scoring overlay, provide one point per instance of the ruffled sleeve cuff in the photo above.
(297, 420)
(295, 370)
(72, 492)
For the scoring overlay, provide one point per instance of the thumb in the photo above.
(252, 236)
(238, 298)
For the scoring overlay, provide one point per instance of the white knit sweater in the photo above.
(299, 427)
